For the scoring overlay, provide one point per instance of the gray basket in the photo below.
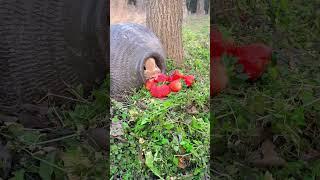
(130, 45)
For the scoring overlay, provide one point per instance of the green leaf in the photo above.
(149, 163)
(164, 141)
(45, 170)
(187, 145)
(242, 76)
(298, 116)
(196, 124)
(18, 175)
(307, 97)
(175, 161)
(168, 126)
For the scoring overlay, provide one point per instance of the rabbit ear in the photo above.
(150, 64)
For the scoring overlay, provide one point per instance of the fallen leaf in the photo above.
(116, 129)
(141, 140)
(270, 156)
(182, 162)
(311, 155)
(192, 110)
(268, 176)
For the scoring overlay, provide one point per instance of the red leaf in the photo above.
(160, 91)
(189, 80)
(175, 85)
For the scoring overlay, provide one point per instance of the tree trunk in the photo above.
(185, 9)
(164, 18)
(140, 4)
(200, 7)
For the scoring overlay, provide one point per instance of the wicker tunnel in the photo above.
(130, 46)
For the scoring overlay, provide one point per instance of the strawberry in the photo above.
(175, 75)
(160, 91)
(150, 83)
(175, 85)
(254, 58)
(189, 79)
(161, 78)
(220, 45)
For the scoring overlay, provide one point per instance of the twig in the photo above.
(60, 119)
(59, 96)
(56, 139)
(44, 161)
(182, 155)
(312, 102)
(119, 138)
(224, 115)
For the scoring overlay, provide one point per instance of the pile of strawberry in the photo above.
(162, 85)
(254, 57)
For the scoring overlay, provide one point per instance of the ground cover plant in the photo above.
(169, 138)
(282, 106)
(50, 142)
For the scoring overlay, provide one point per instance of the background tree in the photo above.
(165, 19)
(200, 7)
(185, 9)
(140, 4)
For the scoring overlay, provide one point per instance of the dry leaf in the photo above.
(192, 110)
(270, 156)
(311, 155)
(182, 162)
(116, 128)
(268, 176)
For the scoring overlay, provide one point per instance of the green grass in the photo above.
(159, 133)
(287, 96)
(61, 149)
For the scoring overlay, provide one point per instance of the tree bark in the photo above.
(200, 7)
(164, 18)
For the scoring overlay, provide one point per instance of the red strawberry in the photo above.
(150, 83)
(175, 85)
(189, 80)
(254, 58)
(220, 46)
(175, 75)
(160, 91)
(161, 78)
